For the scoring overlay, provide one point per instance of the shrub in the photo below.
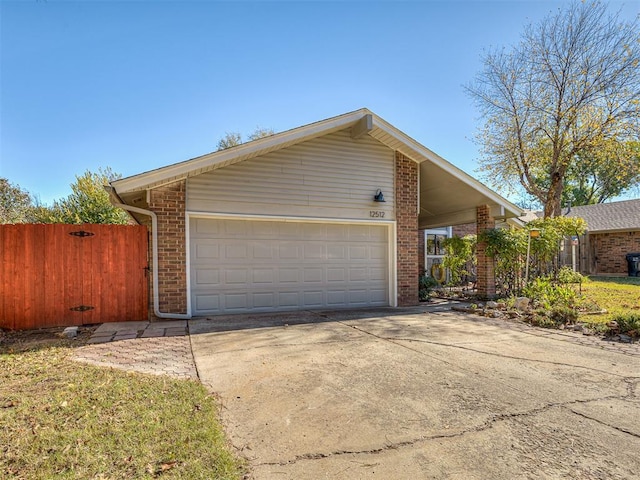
(460, 257)
(628, 323)
(566, 275)
(561, 314)
(426, 285)
(543, 292)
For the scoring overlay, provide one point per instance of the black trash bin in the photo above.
(633, 264)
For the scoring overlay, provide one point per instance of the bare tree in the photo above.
(570, 88)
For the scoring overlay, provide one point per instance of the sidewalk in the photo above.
(158, 348)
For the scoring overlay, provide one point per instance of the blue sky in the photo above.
(141, 84)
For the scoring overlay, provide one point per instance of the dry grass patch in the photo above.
(61, 419)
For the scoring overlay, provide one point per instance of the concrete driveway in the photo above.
(421, 393)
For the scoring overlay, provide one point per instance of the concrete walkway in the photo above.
(158, 348)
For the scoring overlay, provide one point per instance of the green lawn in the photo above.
(62, 419)
(617, 295)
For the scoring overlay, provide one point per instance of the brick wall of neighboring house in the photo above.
(464, 230)
(486, 285)
(168, 203)
(611, 249)
(407, 229)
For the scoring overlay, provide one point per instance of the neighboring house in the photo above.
(613, 231)
(295, 220)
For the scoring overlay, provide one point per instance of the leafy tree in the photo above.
(15, 203)
(260, 132)
(603, 174)
(88, 202)
(556, 102)
(232, 139)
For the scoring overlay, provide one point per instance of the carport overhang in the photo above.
(448, 199)
(448, 195)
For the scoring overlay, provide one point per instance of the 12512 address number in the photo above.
(376, 214)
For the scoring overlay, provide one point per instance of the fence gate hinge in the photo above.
(81, 308)
(82, 233)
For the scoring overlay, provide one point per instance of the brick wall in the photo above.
(611, 249)
(485, 270)
(407, 229)
(464, 230)
(168, 203)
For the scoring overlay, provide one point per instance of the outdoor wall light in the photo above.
(379, 197)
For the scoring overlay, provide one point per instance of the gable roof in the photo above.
(447, 194)
(607, 217)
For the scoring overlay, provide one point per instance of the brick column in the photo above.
(407, 229)
(168, 202)
(485, 270)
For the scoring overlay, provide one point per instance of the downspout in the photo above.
(154, 260)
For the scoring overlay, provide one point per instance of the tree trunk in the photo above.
(552, 205)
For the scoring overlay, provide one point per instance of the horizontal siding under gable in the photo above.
(333, 176)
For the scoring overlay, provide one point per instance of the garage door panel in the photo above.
(289, 251)
(264, 300)
(207, 302)
(235, 276)
(314, 299)
(263, 251)
(338, 274)
(207, 276)
(312, 275)
(336, 298)
(208, 250)
(289, 299)
(358, 253)
(358, 274)
(286, 265)
(264, 275)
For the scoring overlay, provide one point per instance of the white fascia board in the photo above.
(427, 155)
(182, 170)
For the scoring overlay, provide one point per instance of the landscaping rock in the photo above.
(624, 338)
(70, 332)
(521, 303)
(491, 304)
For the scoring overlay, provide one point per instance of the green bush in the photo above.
(426, 286)
(540, 318)
(628, 323)
(566, 275)
(460, 257)
(543, 292)
(561, 315)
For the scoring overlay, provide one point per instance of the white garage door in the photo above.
(261, 266)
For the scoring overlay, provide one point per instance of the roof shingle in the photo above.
(612, 216)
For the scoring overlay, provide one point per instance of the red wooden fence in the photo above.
(60, 275)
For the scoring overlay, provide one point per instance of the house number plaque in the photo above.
(376, 213)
